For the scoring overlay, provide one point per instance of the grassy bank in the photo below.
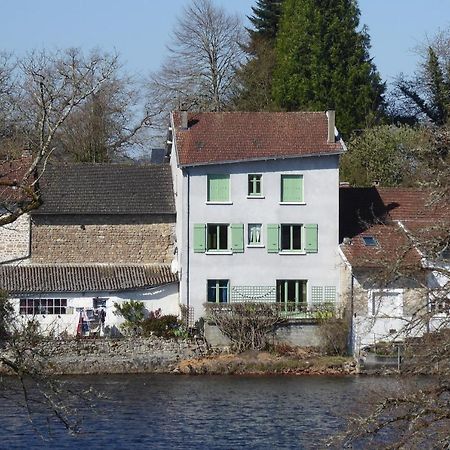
(300, 362)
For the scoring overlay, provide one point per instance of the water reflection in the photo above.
(214, 412)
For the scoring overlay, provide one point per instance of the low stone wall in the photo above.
(103, 356)
(295, 333)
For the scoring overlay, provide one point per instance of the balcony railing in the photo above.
(300, 310)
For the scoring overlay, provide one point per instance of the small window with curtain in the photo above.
(254, 234)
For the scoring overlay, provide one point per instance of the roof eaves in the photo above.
(265, 158)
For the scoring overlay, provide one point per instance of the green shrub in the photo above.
(133, 313)
(162, 326)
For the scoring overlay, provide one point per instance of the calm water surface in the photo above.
(203, 412)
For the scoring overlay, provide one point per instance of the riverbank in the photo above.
(156, 355)
(265, 363)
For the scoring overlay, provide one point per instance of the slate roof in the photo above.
(83, 278)
(107, 189)
(218, 137)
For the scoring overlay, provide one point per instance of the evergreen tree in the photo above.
(265, 18)
(323, 62)
(428, 95)
(255, 76)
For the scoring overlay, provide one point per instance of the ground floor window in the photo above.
(218, 291)
(386, 304)
(34, 306)
(292, 293)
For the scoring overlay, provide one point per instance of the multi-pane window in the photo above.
(34, 306)
(218, 188)
(292, 293)
(254, 234)
(292, 188)
(218, 291)
(255, 185)
(217, 236)
(291, 237)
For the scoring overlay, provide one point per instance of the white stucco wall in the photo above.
(164, 297)
(257, 267)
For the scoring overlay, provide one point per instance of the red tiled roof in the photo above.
(377, 211)
(406, 204)
(393, 249)
(12, 171)
(236, 136)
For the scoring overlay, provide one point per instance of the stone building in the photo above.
(103, 235)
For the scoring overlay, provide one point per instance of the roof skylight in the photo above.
(370, 241)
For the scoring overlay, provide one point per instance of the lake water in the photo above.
(199, 412)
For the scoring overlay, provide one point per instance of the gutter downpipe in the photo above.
(188, 287)
(351, 343)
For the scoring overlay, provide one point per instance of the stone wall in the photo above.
(294, 333)
(102, 356)
(15, 239)
(102, 239)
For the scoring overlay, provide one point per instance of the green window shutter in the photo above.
(218, 188)
(237, 237)
(272, 238)
(291, 188)
(311, 238)
(199, 237)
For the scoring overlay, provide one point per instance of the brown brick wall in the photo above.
(102, 239)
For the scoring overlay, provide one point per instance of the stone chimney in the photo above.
(331, 114)
(184, 120)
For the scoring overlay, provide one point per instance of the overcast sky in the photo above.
(139, 29)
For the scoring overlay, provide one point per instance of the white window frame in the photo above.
(251, 244)
(373, 312)
(299, 251)
(226, 251)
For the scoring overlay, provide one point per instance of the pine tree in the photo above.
(322, 62)
(265, 18)
(429, 94)
(255, 76)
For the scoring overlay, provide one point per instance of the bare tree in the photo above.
(248, 325)
(203, 57)
(107, 124)
(51, 86)
(417, 413)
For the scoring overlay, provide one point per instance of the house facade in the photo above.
(389, 276)
(103, 235)
(257, 204)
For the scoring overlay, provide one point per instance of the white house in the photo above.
(393, 263)
(257, 203)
